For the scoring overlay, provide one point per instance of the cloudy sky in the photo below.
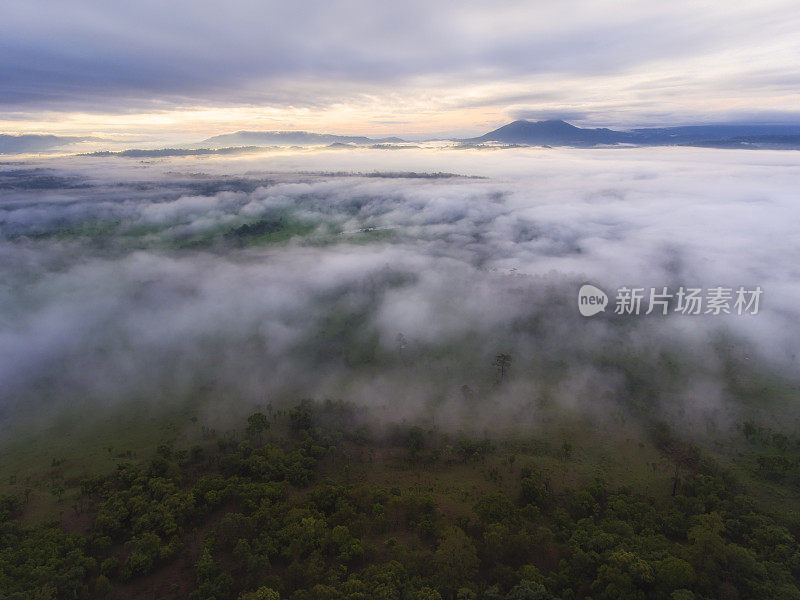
(191, 69)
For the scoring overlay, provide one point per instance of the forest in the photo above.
(307, 378)
(320, 300)
(309, 503)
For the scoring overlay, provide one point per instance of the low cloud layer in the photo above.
(238, 281)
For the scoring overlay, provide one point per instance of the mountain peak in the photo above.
(548, 124)
(551, 132)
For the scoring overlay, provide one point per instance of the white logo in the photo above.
(591, 300)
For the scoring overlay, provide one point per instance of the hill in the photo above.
(288, 138)
(561, 133)
(551, 133)
(24, 143)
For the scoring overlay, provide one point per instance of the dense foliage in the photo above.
(273, 514)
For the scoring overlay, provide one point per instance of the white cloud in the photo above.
(472, 267)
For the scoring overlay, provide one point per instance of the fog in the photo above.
(391, 279)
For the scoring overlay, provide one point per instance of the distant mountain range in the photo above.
(545, 133)
(168, 152)
(30, 143)
(518, 133)
(288, 138)
(561, 133)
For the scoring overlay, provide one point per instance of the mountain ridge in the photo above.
(289, 138)
(551, 132)
(22, 143)
(556, 132)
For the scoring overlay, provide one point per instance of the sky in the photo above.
(422, 68)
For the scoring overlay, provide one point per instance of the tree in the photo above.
(257, 423)
(300, 418)
(502, 362)
(707, 544)
(528, 590)
(58, 490)
(262, 593)
(456, 559)
(428, 593)
(672, 574)
(682, 453)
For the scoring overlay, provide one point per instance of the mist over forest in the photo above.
(392, 281)
(363, 374)
(320, 300)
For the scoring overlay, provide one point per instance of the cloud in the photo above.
(90, 56)
(132, 283)
(546, 115)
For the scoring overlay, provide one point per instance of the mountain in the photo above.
(167, 152)
(288, 138)
(551, 133)
(24, 143)
(561, 133)
(708, 133)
